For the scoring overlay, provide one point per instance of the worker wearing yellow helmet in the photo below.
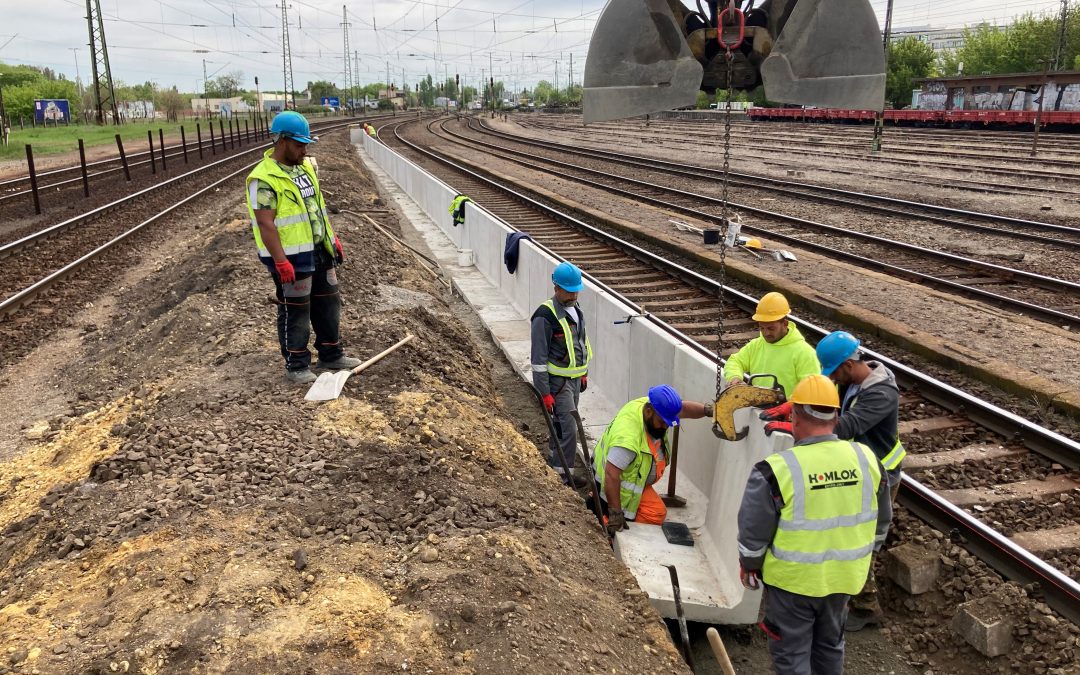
(779, 350)
(810, 519)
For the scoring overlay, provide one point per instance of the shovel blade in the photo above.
(639, 62)
(829, 54)
(328, 386)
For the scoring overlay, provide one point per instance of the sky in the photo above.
(167, 41)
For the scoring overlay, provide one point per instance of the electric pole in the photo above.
(879, 116)
(286, 57)
(348, 69)
(205, 91)
(570, 89)
(104, 96)
(1060, 54)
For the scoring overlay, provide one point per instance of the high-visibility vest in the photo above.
(825, 536)
(457, 209)
(573, 369)
(291, 218)
(896, 453)
(627, 430)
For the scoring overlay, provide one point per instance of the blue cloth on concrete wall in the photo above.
(510, 252)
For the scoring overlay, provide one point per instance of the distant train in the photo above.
(1018, 120)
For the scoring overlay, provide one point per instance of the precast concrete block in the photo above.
(985, 625)
(913, 568)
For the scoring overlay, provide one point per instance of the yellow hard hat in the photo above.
(772, 307)
(816, 390)
(753, 243)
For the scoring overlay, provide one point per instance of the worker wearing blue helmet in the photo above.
(634, 452)
(561, 353)
(869, 414)
(299, 248)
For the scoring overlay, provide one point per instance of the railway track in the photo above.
(1048, 298)
(943, 427)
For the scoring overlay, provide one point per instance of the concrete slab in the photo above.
(1045, 541)
(1025, 489)
(981, 452)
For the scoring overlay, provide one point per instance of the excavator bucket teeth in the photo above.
(639, 62)
(829, 54)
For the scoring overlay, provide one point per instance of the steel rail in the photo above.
(754, 180)
(1045, 313)
(1009, 559)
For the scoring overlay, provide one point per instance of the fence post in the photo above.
(213, 143)
(198, 137)
(82, 165)
(123, 158)
(161, 142)
(221, 129)
(150, 140)
(183, 142)
(33, 178)
(247, 131)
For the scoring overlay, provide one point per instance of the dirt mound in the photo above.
(189, 512)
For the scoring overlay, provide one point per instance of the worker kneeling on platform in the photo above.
(810, 519)
(780, 350)
(633, 453)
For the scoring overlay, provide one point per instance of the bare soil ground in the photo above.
(169, 505)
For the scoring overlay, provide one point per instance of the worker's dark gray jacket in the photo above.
(759, 514)
(870, 416)
(549, 345)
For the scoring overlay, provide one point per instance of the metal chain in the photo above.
(725, 221)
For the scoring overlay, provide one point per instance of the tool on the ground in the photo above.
(743, 396)
(671, 499)
(684, 633)
(328, 386)
(587, 459)
(677, 533)
(554, 428)
(720, 651)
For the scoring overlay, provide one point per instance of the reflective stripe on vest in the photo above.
(627, 430)
(826, 531)
(572, 369)
(895, 456)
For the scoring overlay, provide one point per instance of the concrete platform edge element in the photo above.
(709, 586)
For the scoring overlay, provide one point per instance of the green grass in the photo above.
(56, 140)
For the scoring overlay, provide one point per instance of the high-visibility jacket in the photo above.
(457, 209)
(870, 415)
(627, 430)
(826, 533)
(573, 367)
(790, 359)
(291, 218)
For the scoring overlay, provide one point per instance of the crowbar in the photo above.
(328, 386)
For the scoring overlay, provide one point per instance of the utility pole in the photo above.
(879, 116)
(356, 75)
(205, 91)
(388, 83)
(286, 57)
(570, 89)
(104, 96)
(348, 69)
(78, 75)
(1038, 115)
(1060, 54)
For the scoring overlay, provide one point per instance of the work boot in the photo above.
(340, 363)
(303, 376)
(857, 619)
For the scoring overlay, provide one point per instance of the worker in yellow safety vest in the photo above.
(779, 350)
(810, 519)
(299, 248)
(869, 414)
(633, 453)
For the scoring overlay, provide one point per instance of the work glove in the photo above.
(781, 412)
(584, 382)
(783, 427)
(751, 579)
(340, 256)
(286, 273)
(616, 522)
(549, 403)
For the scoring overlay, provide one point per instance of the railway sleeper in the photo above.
(1009, 492)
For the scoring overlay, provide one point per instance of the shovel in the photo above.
(329, 385)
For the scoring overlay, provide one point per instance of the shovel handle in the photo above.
(720, 651)
(381, 355)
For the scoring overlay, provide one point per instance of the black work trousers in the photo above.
(312, 301)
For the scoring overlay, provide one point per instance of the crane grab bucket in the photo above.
(652, 55)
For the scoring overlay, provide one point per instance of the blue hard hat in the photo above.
(667, 403)
(291, 124)
(834, 349)
(567, 277)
